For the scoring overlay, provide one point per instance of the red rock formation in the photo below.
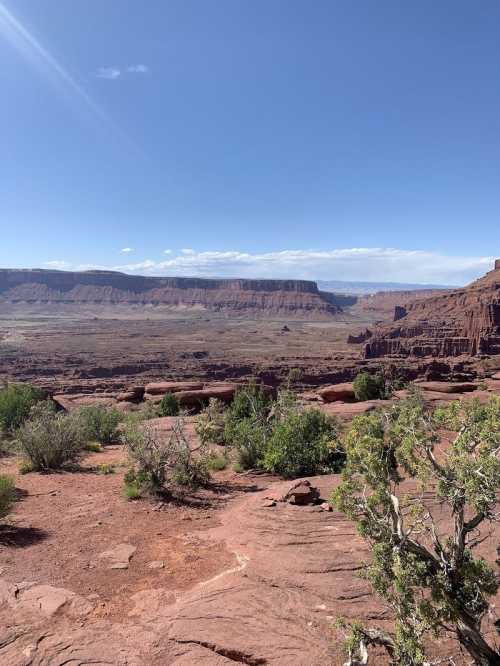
(338, 393)
(463, 321)
(299, 298)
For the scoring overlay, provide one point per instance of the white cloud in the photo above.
(361, 264)
(138, 69)
(58, 264)
(355, 264)
(126, 250)
(113, 73)
(110, 73)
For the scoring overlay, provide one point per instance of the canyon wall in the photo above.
(462, 321)
(296, 298)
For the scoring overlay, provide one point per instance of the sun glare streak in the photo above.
(31, 49)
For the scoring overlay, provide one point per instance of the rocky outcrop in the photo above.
(358, 338)
(338, 393)
(300, 298)
(460, 322)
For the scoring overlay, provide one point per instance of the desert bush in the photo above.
(247, 425)
(169, 405)
(369, 387)
(99, 424)
(7, 494)
(303, 443)
(249, 401)
(210, 424)
(16, 400)
(161, 460)
(49, 440)
(216, 462)
(428, 572)
(248, 437)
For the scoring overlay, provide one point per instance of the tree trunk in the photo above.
(471, 639)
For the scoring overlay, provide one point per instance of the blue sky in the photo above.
(334, 139)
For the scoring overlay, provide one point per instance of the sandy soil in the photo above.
(64, 521)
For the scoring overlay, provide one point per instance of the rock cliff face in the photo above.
(296, 298)
(462, 321)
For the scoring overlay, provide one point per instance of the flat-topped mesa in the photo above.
(463, 321)
(238, 296)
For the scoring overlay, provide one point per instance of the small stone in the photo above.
(326, 506)
(156, 564)
(267, 503)
(119, 565)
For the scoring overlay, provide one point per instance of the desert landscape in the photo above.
(245, 567)
(249, 333)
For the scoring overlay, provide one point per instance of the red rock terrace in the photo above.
(460, 322)
(240, 297)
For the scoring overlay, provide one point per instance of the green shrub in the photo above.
(132, 485)
(49, 440)
(216, 462)
(16, 400)
(160, 460)
(369, 387)
(169, 405)
(248, 437)
(7, 494)
(247, 425)
(302, 444)
(191, 472)
(249, 402)
(25, 467)
(210, 424)
(100, 424)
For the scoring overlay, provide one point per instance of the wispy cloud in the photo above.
(58, 264)
(126, 250)
(113, 73)
(110, 73)
(33, 51)
(138, 69)
(358, 264)
(167, 251)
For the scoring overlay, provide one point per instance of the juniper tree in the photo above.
(428, 572)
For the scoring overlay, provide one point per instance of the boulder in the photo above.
(337, 392)
(223, 392)
(160, 388)
(496, 376)
(301, 492)
(131, 394)
(347, 410)
(70, 402)
(447, 387)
